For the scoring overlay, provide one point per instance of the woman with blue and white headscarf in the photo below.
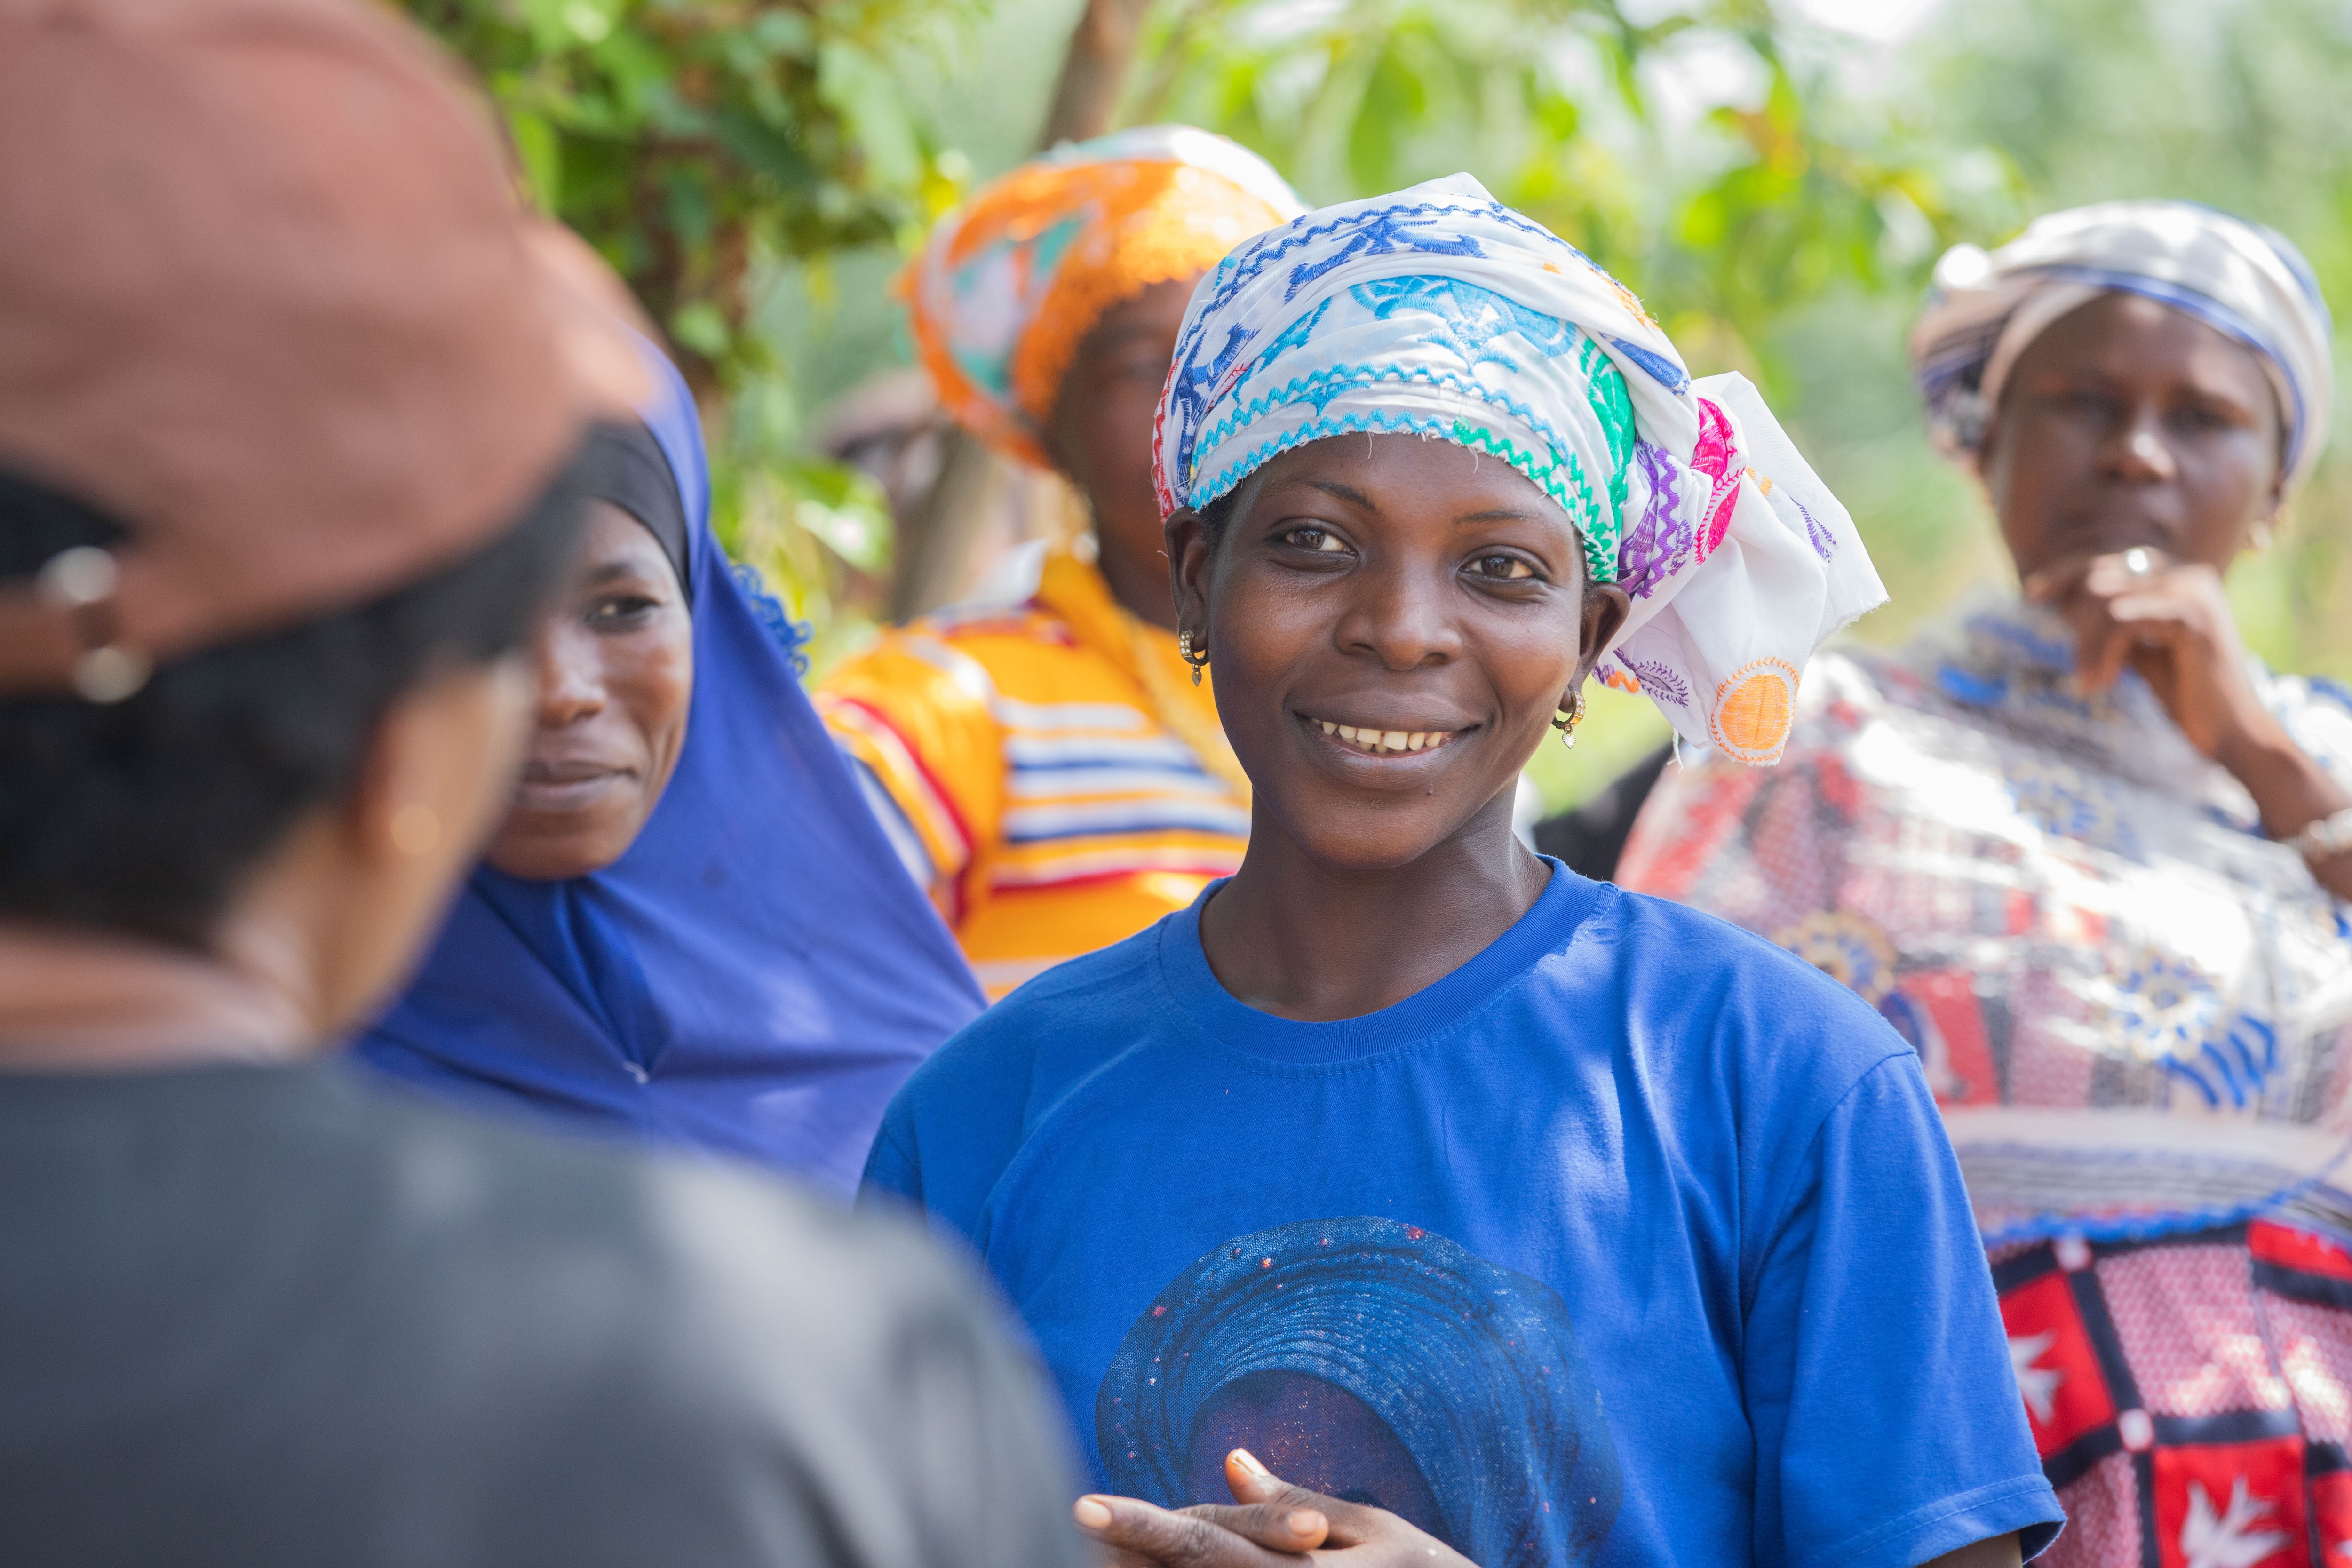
(2092, 858)
(1520, 1221)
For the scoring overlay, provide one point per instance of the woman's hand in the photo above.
(1270, 1525)
(2170, 621)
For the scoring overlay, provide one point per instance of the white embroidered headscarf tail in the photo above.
(1438, 310)
(2247, 282)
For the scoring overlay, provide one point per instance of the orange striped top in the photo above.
(1046, 768)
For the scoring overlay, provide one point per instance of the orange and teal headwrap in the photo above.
(1009, 283)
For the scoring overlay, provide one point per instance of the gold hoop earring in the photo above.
(1198, 657)
(1567, 726)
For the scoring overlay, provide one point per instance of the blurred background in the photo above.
(1774, 181)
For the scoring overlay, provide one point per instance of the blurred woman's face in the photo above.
(615, 679)
(1101, 438)
(2129, 424)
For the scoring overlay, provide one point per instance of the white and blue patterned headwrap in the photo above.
(2247, 282)
(1439, 311)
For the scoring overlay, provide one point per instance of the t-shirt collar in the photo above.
(1547, 927)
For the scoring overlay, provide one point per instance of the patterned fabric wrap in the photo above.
(2192, 1397)
(2248, 281)
(2134, 1009)
(1009, 283)
(1439, 311)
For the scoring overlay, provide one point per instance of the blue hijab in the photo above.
(756, 975)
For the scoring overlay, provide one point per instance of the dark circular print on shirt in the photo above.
(1378, 1360)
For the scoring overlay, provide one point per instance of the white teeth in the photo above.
(1385, 741)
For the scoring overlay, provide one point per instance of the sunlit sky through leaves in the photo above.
(1880, 21)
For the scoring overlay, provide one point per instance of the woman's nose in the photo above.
(570, 677)
(1400, 616)
(2138, 450)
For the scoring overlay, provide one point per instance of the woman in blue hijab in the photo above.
(690, 926)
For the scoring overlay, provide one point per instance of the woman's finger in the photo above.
(2099, 651)
(1282, 1524)
(2060, 578)
(1186, 1540)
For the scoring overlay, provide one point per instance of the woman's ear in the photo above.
(1605, 609)
(1191, 547)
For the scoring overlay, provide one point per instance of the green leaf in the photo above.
(700, 327)
(540, 154)
(867, 97)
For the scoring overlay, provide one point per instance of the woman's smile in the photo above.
(1396, 740)
(562, 784)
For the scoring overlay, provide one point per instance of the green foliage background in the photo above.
(1774, 191)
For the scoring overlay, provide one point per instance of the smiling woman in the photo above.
(615, 677)
(1535, 1222)
(690, 925)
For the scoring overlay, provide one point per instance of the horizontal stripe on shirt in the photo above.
(1061, 718)
(1036, 823)
(1030, 874)
(1075, 779)
(1102, 751)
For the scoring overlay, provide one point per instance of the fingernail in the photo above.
(1248, 1461)
(1304, 1521)
(1091, 1512)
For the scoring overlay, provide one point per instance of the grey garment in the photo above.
(265, 1315)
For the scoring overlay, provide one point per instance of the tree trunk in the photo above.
(936, 538)
(1093, 71)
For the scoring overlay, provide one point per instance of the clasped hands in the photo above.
(2169, 620)
(1269, 1524)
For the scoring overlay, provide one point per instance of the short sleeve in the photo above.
(1888, 1425)
(894, 1177)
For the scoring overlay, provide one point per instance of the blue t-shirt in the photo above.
(1633, 1240)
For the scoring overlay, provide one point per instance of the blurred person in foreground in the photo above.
(1510, 1218)
(291, 405)
(690, 925)
(1050, 766)
(2091, 857)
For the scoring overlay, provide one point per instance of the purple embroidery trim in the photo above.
(1661, 683)
(1824, 542)
(1654, 551)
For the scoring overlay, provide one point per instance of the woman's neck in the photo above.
(76, 1001)
(1301, 939)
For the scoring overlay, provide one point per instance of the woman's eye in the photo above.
(1502, 568)
(1321, 540)
(621, 607)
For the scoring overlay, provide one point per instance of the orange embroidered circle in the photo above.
(1753, 711)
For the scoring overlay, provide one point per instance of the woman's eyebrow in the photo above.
(1500, 514)
(632, 565)
(1121, 334)
(1345, 493)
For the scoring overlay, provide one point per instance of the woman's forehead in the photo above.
(2126, 334)
(1396, 475)
(617, 540)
